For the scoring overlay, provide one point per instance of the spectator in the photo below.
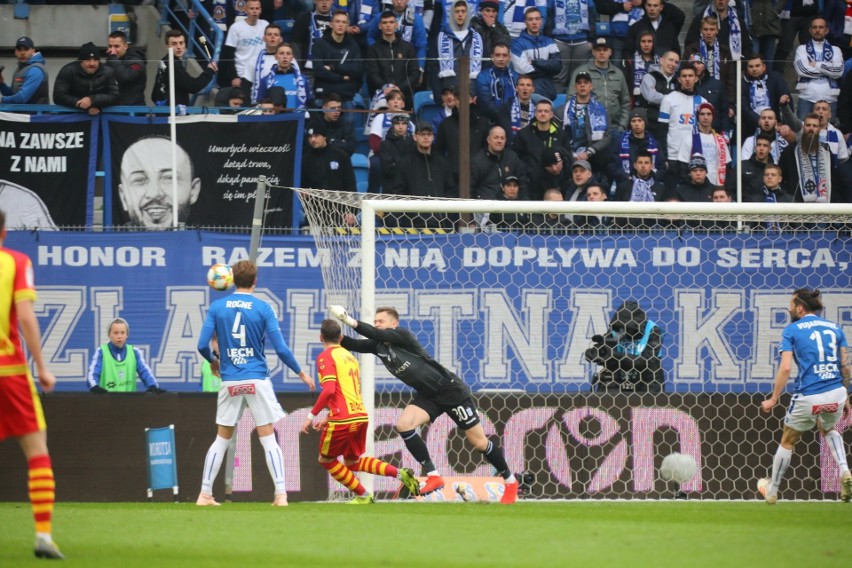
(266, 60)
(720, 195)
(514, 15)
(827, 133)
(608, 84)
(550, 223)
(781, 136)
(86, 84)
(520, 111)
(711, 145)
(530, 142)
(586, 124)
(659, 81)
(338, 65)
(536, 55)
(733, 26)
(455, 41)
(642, 187)
(231, 99)
(677, 114)
(490, 30)
(572, 27)
(644, 56)
(716, 58)
(773, 186)
(128, 68)
(379, 128)
(116, 364)
(308, 29)
(714, 92)
(340, 133)
(324, 166)
(509, 193)
(696, 188)
(761, 89)
(492, 164)
(29, 81)
(495, 85)
(808, 167)
(243, 44)
(664, 20)
(819, 66)
(286, 75)
(185, 84)
(595, 192)
(754, 167)
(581, 178)
(397, 143)
(447, 138)
(625, 147)
(449, 103)
(392, 61)
(410, 27)
(553, 172)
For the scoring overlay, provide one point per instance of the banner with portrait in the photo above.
(47, 177)
(218, 159)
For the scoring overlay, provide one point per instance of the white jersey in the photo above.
(247, 42)
(679, 111)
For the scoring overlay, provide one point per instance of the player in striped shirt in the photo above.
(242, 324)
(344, 429)
(21, 414)
(821, 353)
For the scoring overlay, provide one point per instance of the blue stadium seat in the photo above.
(361, 165)
(560, 100)
(362, 187)
(286, 29)
(425, 107)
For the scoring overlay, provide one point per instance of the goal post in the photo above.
(532, 318)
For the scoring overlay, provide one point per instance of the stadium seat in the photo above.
(286, 29)
(361, 165)
(425, 107)
(362, 187)
(560, 100)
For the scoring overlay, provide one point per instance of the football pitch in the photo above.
(434, 535)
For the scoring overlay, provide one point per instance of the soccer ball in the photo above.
(220, 277)
(678, 468)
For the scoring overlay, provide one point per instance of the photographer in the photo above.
(629, 353)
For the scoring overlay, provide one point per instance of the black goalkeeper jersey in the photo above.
(407, 360)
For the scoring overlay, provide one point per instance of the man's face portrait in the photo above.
(644, 166)
(580, 175)
(818, 29)
(272, 37)
(90, 66)
(116, 46)
(755, 67)
(653, 8)
(525, 88)
(533, 22)
(762, 150)
(583, 87)
(146, 183)
(811, 126)
(823, 109)
(24, 53)
(496, 140)
(178, 44)
(709, 32)
(767, 121)
(698, 175)
(637, 126)
(500, 57)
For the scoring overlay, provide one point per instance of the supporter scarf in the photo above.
(714, 58)
(735, 36)
(570, 17)
(378, 102)
(814, 179)
(449, 48)
(500, 92)
(721, 150)
(825, 55)
(596, 114)
(624, 154)
(642, 189)
(640, 68)
(758, 93)
(316, 33)
(517, 118)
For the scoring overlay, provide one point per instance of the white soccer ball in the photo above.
(678, 468)
(220, 277)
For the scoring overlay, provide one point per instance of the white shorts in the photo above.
(804, 411)
(257, 394)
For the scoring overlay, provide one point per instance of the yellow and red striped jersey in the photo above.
(16, 284)
(346, 405)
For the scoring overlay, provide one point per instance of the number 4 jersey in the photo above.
(815, 343)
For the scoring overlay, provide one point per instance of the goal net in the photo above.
(598, 338)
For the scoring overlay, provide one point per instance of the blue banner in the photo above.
(162, 460)
(506, 312)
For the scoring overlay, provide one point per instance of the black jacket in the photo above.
(341, 134)
(328, 168)
(73, 83)
(393, 62)
(447, 137)
(665, 36)
(129, 73)
(776, 88)
(488, 170)
(425, 175)
(392, 150)
(344, 59)
(185, 84)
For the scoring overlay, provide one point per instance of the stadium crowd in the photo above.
(564, 95)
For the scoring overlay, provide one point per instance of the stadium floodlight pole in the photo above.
(173, 136)
(368, 306)
(257, 217)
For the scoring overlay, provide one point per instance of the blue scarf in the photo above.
(758, 94)
(826, 55)
(642, 190)
(595, 114)
(501, 90)
(625, 151)
(714, 58)
(517, 119)
(640, 68)
(449, 48)
(570, 17)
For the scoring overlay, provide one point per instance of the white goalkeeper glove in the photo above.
(339, 312)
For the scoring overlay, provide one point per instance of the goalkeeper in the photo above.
(438, 391)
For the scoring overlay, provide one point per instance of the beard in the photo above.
(794, 317)
(810, 142)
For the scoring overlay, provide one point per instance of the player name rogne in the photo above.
(238, 304)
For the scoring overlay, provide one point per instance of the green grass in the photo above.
(438, 535)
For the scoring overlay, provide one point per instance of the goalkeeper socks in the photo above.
(417, 448)
(212, 463)
(375, 467)
(779, 467)
(274, 461)
(42, 492)
(835, 444)
(494, 454)
(344, 476)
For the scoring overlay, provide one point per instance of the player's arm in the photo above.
(205, 338)
(32, 338)
(283, 351)
(781, 378)
(146, 374)
(359, 345)
(329, 387)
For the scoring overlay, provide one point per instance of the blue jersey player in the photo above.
(819, 348)
(243, 324)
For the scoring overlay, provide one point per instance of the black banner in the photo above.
(47, 173)
(219, 159)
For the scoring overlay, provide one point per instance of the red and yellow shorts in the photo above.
(347, 440)
(20, 407)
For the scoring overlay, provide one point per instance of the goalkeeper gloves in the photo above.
(339, 312)
(156, 390)
(98, 389)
